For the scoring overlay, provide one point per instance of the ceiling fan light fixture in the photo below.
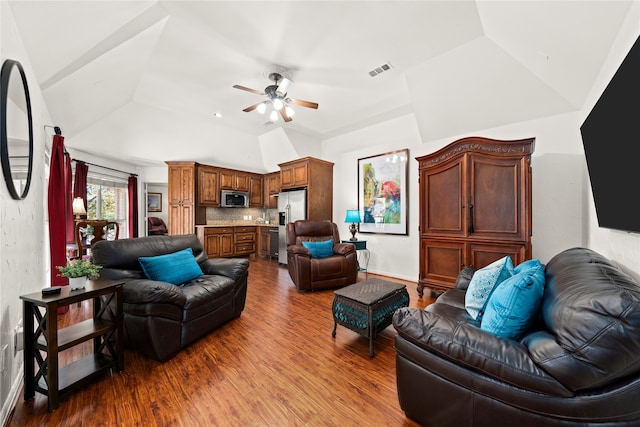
(290, 111)
(273, 116)
(277, 103)
(262, 108)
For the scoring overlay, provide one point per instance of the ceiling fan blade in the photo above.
(284, 86)
(253, 107)
(302, 103)
(283, 113)
(248, 89)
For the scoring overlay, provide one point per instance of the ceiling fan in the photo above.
(277, 97)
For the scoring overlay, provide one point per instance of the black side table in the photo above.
(362, 254)
(43, 341)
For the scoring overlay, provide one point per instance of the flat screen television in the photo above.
(611, 140)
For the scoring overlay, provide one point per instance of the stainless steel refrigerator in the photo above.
(292, 206)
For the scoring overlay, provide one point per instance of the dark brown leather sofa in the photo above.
(308, 273)
(578, 366)
(161, 318)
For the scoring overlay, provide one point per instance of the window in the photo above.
(107, 199)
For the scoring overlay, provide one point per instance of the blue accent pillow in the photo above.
(514, 304)
(483, 282)
(322, 249)
(176, 268)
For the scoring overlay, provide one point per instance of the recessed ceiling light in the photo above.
(217, 115)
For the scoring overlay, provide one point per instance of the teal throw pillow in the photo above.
(176, 268)
(483, 283)
(322, 249)
(515, 303)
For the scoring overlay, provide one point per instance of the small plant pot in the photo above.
(77, 282)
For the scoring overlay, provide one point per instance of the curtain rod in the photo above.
(103, 167)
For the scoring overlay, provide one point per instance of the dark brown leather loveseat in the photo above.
(579, 365)
(308, 272)
(161, 318)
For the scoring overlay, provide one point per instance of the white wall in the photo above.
(558, 190)
(23, 233)
(622, 247)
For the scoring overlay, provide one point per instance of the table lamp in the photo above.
(78, 207)
(353, 216)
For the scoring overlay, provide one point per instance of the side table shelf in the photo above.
(362, 254)
(43, 341)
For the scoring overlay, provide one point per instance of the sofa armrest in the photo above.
(143, 291)
(298, 250)
(450, 333)
(343, 249)
(464, 277)
(234, 268)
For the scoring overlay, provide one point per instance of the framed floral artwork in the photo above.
(382, 193)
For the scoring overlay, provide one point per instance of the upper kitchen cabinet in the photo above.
(317, 177)
(234, 180)
(271, 190)
(208, 186)
(256, 191)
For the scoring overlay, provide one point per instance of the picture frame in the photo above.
(154, 202)
(383, 197)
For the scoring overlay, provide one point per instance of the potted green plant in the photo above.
(78, 271)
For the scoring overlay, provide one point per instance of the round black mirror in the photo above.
(16, 136)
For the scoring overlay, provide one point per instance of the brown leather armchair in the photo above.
(308, 273)
(156, 226)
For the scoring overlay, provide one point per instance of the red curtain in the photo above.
(133, 206)
(68, 206)
(80, 182)
(58, 205)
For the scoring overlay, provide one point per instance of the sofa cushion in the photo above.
(322, 249)
(176, 268)
(515, 302)
(482, 284)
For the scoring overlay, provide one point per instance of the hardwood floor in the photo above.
(276, 365)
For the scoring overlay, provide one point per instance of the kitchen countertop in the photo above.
(239, 223)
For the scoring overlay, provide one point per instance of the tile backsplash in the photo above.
(241, 214)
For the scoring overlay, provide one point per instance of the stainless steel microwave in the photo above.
(234, 199)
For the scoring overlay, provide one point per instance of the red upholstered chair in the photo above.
(311, 273)
(156, 226)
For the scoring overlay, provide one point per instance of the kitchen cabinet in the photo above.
(264, 242)
(228, 241)
(475, 207)
(217, 241)
(271, 190)
(208, 187)
(183, 213)
(317, 177)
(234, 180)
(245, 240)
(256, 191)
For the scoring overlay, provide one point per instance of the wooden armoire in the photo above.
(475, 207)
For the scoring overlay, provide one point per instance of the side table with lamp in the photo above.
(353, 216)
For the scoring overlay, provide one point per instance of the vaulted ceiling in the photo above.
(124, 67)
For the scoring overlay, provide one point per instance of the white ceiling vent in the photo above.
(381, 69)
(268, 123)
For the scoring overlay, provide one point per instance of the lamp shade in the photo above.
(353, 216)
(78, 206)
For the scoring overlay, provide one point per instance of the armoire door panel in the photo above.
(496, 198)
(443, 200)
(441, 261)
(482, 255)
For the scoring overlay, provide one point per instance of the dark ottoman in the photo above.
(367, 307)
